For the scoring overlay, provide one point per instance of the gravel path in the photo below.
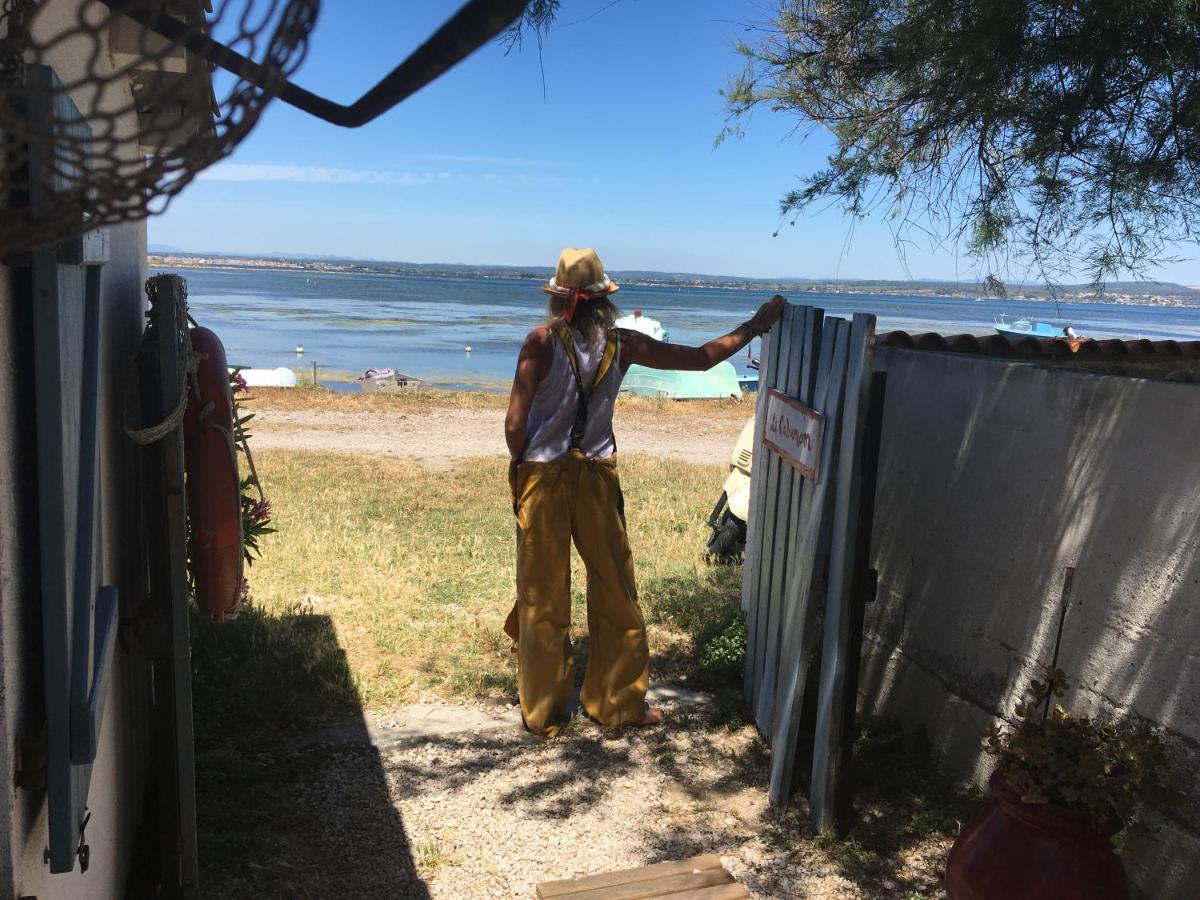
(492, 812)
(439, 438)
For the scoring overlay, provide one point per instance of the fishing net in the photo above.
(104, 120)
(109, 108)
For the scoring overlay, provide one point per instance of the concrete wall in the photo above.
(117, 782)
(994, 477)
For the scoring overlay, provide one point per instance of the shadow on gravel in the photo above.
(289, 809)
(278, 819)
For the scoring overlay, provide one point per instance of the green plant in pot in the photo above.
(1068, 793)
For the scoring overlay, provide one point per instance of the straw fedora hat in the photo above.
(580, 275)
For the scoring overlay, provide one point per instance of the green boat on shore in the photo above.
(719, 381)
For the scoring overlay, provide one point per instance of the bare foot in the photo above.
(651, 717)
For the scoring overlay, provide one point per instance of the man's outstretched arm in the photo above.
(646, 351)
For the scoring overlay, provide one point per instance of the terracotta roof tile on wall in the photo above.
(1015, 346)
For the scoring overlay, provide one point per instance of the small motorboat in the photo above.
(1034, 328)
(644, 324)
(748, 383)
(388, 380)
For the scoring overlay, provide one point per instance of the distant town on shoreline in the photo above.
(1144, 293)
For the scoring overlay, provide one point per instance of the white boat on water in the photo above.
(388, 380)
(280, 377)
(719, 381)
(644, 324)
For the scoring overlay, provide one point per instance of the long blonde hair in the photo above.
(593, 318)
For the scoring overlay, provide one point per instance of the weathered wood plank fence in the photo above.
(804, 578)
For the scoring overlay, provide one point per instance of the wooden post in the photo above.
(800, 633)
(757, 526)
(863, 590)
(166, 627)
(805, 338)
(314, 373)
(779, 482)
(839, 603)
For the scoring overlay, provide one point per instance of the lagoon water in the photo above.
(420, 325)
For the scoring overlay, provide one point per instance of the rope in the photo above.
(187, 373)
(245, 444)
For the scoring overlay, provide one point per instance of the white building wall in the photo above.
(118, 776)
(996, 476)
(119, 772)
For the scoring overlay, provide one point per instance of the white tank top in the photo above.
(554, 403)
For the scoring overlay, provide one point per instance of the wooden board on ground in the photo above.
(701, 878)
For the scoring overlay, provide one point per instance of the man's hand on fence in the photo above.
(768, 314)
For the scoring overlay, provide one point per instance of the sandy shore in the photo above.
(441, 431)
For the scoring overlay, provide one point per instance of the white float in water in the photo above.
(467, 349)
(299, 348)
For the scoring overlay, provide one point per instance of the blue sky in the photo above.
(480, 168)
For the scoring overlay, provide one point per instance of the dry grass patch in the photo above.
(310, 399)
(631, 409)
(404, 577)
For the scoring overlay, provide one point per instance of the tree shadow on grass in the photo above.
(277, 819)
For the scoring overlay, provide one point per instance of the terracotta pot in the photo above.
(1034, 852)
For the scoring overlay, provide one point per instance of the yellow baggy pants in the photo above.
(580, 498)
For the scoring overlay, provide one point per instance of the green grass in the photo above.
(386, 582)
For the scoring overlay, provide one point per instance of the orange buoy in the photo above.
(213, 488)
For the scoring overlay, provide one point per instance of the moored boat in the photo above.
(675, 384)
(388, 380)
(644, 324)
(718, 382)
(1034, 328)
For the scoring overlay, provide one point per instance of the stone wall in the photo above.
(994, 477)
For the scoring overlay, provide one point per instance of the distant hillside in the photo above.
(1120, 291)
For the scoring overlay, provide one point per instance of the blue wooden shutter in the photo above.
(78, 616)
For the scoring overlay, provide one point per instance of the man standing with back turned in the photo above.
(564, 484)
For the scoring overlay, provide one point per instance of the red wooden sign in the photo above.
(794, 432)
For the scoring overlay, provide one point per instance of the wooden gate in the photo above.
(808, 539)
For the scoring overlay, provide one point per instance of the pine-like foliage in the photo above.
(1058, 136)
